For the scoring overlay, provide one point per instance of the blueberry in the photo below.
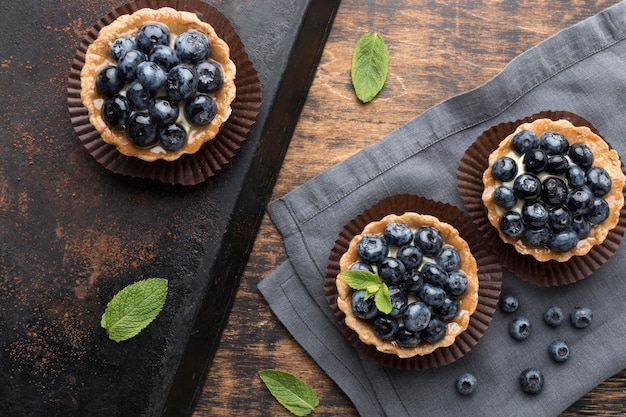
(563, 240)
(508, 303)
(141, 130)
(504, 169)
(557, 164)
(537, 238)
(579, 201)
(456, 284)
(109, 81)
(466, 384)
(581, 317)
(413, 281)
(410, 256)
(398, 234)
(581, 155)
(527, 187)
(363, 308)
(151, 76)
(116, 111)
(531, 380)
(519, 328)
(435, 331)
(581, 226)
(559, 218)
(162, 111)
(391, 270)
(553, 316)
(399, 300)
(558, 350)
(150, 36)
(431, 295)
(200, 110)
(128, 64)
(553, 191)
(172, 137)
(553, 143)
(385, 327)
(448, 259)
(599, 211)
(524, 141)
(512, 224)
(138, 96)
(448, 310)
(535, 161)
(575, 176)
(504, 197)
(361, 266)
(181, 83)
(165, 57)
(434, 274)
(428, 239)
(372, 248)
(416, 316)
(599, 180)
(192, 46)
(120, 46)
(210, 76)
(535, 214)
(407, 338)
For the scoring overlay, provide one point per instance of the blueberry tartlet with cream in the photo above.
(432, 280)
(158, 83)
(553, 190)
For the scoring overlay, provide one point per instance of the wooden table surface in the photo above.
(437, 49)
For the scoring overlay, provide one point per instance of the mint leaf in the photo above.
(133, 308)
(382, 299)
(373, 286)
(294, 394)
(370, 62)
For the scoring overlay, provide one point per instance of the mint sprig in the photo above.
(373, 286)
(291, 392)
(370, 63)
(133, 308)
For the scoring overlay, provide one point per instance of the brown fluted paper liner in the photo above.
(189, 169)
(489, 277)
(546, 274)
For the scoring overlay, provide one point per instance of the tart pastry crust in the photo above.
(467, 302)
(97, 56)
(604, 156)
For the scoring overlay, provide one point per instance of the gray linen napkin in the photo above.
(581, 69)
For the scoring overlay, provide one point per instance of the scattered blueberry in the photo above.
(385, 327)
(372, 248)
(172, 137)
(531, 380)
(398, 234)
(116, 111)
(519, 328)
(363, 308)
(416, 316)
(181, 83)
(150, 36)
(109, 81)
(210, 76)
(558, 350)
(527, 187)
(200, 110)
(192, 46)
(120, 46)
(141, 130)
(581, 317)
(466, 384)
(553, 316)
(504, 197)
(524, 141)
(428, 239)
(508, 303)
(504, 169)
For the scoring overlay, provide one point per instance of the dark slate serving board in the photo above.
(72, 234)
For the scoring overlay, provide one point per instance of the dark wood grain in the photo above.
(437, 49)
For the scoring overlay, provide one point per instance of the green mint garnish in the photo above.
(370, 62)
(133, 308)
(373, 286)
(294, 394)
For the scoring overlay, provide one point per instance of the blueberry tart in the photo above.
(553, 190)
(158, 83)
(432, 280)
